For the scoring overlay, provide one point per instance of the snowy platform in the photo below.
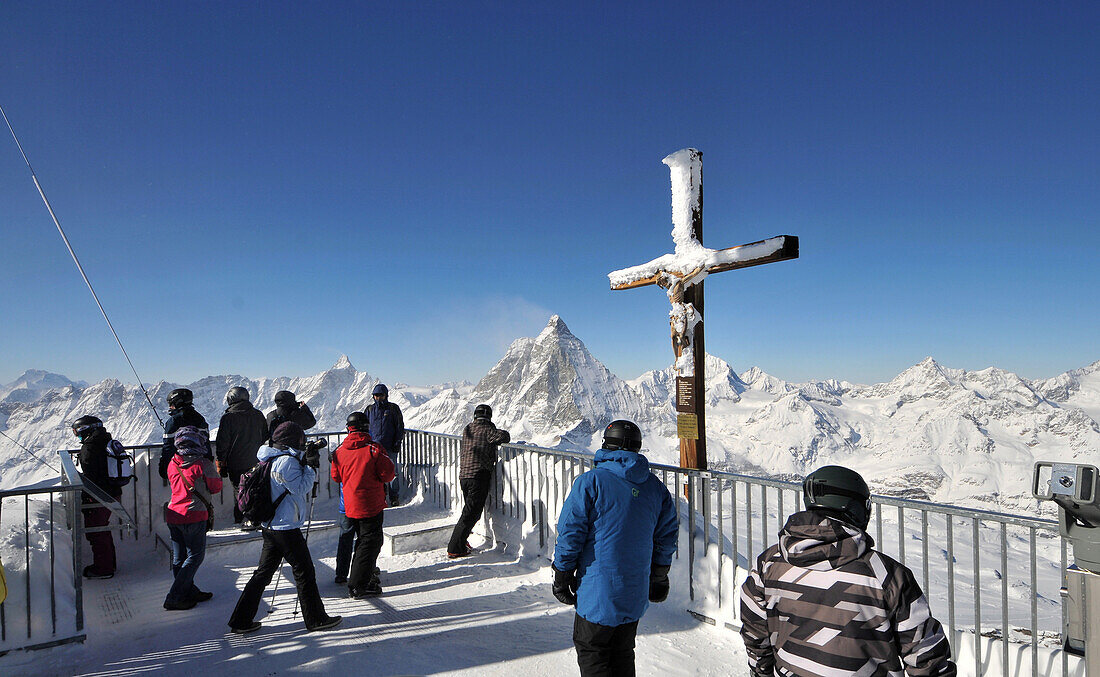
(490, 614)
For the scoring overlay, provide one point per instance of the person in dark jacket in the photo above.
(387, 428)
(477, 461)
(181, 412)
(193, 479)
(241, 432)
(617, 534)
(823, 601)
(293, 471)
(288, 408)
(362, 468)
(93, 469)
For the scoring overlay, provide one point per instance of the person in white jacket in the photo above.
(293, 472)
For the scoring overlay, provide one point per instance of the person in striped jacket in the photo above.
(824, 602)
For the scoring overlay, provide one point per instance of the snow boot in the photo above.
(180, 606)
(90, 572)
(326, 624)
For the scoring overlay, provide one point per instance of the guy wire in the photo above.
(33, 455)
(80, 267)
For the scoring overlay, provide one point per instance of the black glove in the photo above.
(658, 583)
(565, 586)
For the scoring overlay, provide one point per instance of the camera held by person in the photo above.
(312, 456)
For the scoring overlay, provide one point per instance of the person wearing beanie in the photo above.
(362, 468)
(292, 474)
(288, 408)
(477, 462)
(616, 537)
(193, 479)
(387, 428)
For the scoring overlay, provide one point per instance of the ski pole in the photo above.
(278, 578)
(309, 523)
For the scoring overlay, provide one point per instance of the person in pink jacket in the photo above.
(193, 477)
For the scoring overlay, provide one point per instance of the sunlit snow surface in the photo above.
(491, 614)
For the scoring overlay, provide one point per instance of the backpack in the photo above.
(254, 493)
(120, 465)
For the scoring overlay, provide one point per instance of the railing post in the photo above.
(977, 601)
(721, 535)
(691, 533)
(78, 559)
(951, 576)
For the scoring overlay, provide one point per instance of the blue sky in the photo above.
(256, 188)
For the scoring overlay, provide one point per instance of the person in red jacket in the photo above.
(193, 477)
(363, 468)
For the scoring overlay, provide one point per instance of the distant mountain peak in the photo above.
(343, 363)
(555, 327)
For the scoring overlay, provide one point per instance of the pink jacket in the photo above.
(187, 475)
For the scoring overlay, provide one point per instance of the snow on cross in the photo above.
(681, 273)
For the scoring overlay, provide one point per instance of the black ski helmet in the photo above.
(841, 491)
(285, 398)
(180, 397)
(622, 435)
(236, 394)
(358, 421)
(86, 425)
(483, 411)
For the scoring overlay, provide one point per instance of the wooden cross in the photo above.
(681, 274)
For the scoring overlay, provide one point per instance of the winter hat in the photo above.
(289, 434)
(380, 389)
(284, 398)
(189, 440)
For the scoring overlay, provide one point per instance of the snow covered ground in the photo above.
(491, 614)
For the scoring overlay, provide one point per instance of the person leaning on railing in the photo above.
(477, 460)
(823, 602)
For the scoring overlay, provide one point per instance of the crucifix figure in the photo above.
(681, 273)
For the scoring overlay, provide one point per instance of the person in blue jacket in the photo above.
(293, 471)
(617, 534)
(387, 428)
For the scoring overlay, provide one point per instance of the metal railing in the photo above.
(48, 523)
(995, 578)
(992, 578)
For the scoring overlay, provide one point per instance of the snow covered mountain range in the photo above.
(931, 433)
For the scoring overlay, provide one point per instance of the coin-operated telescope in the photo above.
(1073, 486)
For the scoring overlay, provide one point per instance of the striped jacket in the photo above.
(823, 603)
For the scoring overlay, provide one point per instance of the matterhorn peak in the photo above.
(343, 363)
(555, 327)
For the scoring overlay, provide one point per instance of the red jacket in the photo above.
(188, 475)
(363, 468)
